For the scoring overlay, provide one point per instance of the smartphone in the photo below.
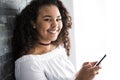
(100, 60)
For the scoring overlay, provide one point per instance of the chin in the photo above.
(54, 39)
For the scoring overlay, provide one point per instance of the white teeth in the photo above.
(53, 31)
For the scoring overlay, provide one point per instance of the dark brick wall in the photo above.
(8, 10)
(6, 67)
(6, 58)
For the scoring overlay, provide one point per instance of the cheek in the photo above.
(42, 27)
(61, 25)
(41, 30)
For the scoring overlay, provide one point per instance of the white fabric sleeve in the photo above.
(29, 70)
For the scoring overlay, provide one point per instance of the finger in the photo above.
(97, 68)
(85, 63)
(93, 63)
(94, 72)
(97, 73)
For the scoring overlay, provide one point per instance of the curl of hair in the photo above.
(25, 37)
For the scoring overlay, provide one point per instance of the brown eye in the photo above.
(47, 19)
(59, 19)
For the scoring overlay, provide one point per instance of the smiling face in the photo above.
(48, 23)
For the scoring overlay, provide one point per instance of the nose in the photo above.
(54, 23)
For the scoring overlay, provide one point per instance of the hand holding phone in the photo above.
(100, 60)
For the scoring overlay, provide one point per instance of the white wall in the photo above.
(97, 32)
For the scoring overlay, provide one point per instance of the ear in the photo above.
(33, 24)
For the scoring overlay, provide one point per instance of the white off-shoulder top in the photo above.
(53, 65)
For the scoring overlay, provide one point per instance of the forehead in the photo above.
(49, 10)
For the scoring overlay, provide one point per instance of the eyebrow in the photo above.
(50, 16)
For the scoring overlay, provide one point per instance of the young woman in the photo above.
(41, 44)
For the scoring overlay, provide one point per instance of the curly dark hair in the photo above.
(25, 37)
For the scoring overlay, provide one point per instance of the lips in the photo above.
(53, 31)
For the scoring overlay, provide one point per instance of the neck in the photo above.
(44, 44)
